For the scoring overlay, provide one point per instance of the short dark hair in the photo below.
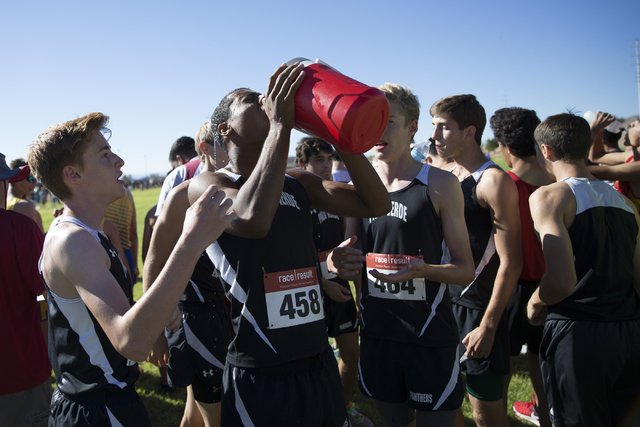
(514, 127)
(465, 110)
(222, 114)
(311, 146)
(183, 146)
(16, 163)
(567, 135)
(610, 138)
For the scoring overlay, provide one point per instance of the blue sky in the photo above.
(160, 68)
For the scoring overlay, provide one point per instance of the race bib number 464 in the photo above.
(293, 297)
(388, 264)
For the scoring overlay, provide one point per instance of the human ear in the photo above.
(71, 174)
(413, 128)
(470, 132)
(224, 129)
(204, 148)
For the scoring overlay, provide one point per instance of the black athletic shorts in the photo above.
(341, 317)
(468, 319)
(522, 332)
(199, 348)
(119, 408)
(591, 371)
(305, 392)
(426, 378)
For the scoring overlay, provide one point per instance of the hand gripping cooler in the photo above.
(342, 111)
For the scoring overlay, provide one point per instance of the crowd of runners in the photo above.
(421, 272)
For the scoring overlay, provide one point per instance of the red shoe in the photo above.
(527, 411)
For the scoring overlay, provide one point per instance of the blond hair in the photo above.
(204, 135)
(405, 98)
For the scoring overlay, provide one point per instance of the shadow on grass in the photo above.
(164, 409)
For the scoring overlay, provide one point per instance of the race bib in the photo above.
(322, 257)
(293, 297)
(410, 290)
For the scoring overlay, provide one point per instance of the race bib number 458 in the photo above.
(293, 297)
(388, 264)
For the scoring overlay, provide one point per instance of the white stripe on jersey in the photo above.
(229, 276)
(364, 386)
(112, 418)
(77, 314)
(197, 290)
(591, 194)
(489, 251)
(451, 385)
(436, 302)
(242, 411)
(200, 348)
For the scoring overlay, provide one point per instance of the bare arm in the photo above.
(552, 210)
(166, 234)
(366, 198)
(82, 268)
(597, 153)
(149, 222)
(28, 208)
(255, 204)
(636, 255)
(446, 194)
(499, 192)
(622, 172)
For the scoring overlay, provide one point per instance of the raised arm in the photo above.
(597, 153)
(133, 330)
(499, 192)
(255, 204)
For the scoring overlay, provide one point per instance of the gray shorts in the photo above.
(27, 408)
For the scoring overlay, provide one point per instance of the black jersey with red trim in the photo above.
(477, 294)
(82, 357)
(417, 311)
(273, 285)
(603, 236)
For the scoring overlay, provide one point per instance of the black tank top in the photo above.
(273, 285)
(417, 311)
(91, 364)
(603, 236)
(204, 285)
(328, 233)
(477, 294)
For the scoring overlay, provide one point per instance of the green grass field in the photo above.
(167, 410)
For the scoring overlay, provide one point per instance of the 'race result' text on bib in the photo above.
(293, 297)
(388, 264)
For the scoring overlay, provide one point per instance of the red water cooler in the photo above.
(338, 109)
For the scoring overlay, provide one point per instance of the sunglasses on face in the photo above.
(31, 178)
